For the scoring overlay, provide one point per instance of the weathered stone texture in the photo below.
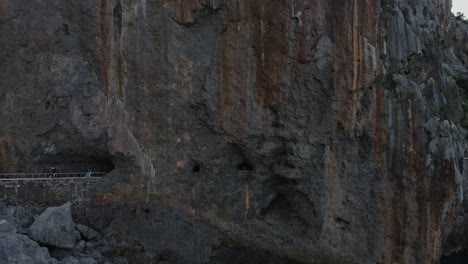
(55, 227)
(20, 249)
(320, 130)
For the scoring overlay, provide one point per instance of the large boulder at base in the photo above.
(20, 249)
(55, 227)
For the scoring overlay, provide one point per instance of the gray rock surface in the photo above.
(20, 249)
(16, 248)
(120, 260)
(69, 260)
(90, 245)
(311, 131)
(86, 232)
(55, 227)
(17, 216)
(87, 260)
(7, 227)
(80, 246)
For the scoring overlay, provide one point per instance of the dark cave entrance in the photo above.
(456, 258)
(74, 163)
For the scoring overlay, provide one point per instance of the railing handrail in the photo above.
(48, 174)
(47, 178)
(22, 173)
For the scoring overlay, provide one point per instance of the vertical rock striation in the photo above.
(318, 131)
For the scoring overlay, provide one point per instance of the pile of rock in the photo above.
(51, 237)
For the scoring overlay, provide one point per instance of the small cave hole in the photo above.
(146, 211)
(289, 165)
(66, 31)
(276, 124)
(279, 182)
(196, 169)
(244, 166)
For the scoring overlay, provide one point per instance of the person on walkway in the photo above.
(53, 170)
(88, 174)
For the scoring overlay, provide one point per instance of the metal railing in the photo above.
(46, 175)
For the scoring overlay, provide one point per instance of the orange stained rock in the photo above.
(104, 42)
(185, 10)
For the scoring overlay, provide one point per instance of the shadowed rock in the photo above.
(55, 227)
(17, 216)
(86, 232)
(20, 249)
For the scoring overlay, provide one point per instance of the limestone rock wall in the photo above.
(319, 130)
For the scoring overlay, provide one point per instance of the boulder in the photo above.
(90, 245)
(88, 260)
(19, 217)
(86, 232)
(80, 246)
(6, 226)
(98, 256)
(120, 260)
(70, 260)
(55, 227)
(20, 249)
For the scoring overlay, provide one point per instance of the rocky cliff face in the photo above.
(318, 131)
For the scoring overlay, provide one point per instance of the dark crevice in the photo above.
(117, 19)
(341, 221)
(244, 166)
(276, 124)
(280, 183)
(196, 169)
(289, 165)
(58, 253)
(66, 31)
(455, 258)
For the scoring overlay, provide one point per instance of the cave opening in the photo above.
(244, 166)
(74, 163)
(456, 258)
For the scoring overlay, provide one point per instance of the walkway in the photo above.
(44, 176)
